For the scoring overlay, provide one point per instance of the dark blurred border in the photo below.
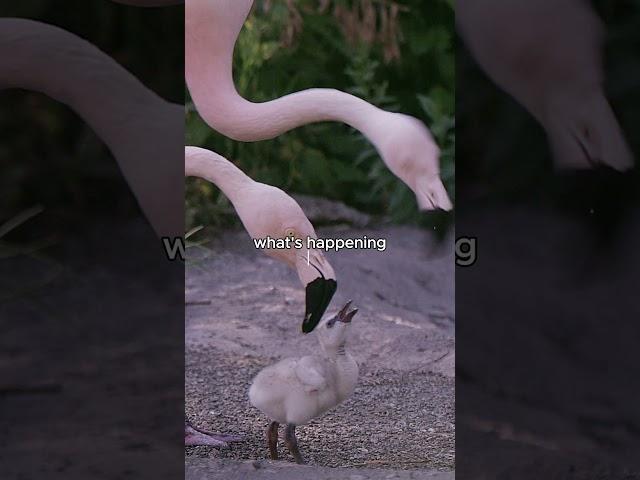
(547, 318)
(91, 312)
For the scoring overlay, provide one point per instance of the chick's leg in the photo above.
(291, 442)
(272, 439)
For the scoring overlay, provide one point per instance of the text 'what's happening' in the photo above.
(326, 244)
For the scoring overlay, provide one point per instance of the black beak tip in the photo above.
(318, 296)
(308, 325)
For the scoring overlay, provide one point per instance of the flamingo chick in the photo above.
(296, 390)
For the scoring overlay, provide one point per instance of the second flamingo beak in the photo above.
(319, 279)
(432, 195)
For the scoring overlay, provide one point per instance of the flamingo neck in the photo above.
(205, 164)
(141, 130)
(210, 35)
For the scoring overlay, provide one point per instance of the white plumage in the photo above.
(296, 390)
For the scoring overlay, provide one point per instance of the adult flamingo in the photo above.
(142, 131)
(265, 211)
(211, 30)
(547, 54)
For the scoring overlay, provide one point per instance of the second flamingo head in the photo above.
(409, 150)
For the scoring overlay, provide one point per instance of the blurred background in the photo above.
(48, 155)
(503, 154)
(546, 316)
(91, 312)
(398, 55)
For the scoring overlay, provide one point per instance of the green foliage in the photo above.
(331, 159)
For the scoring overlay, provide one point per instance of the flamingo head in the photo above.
(314, 270)
(410, 152)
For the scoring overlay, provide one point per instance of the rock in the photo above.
(322, 211)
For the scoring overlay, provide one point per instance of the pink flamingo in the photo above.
(547, 54)
(265, 211)
(142, 130)
(211, 30)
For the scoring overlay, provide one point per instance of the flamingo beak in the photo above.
(319, 279)
(319, 294)
(432, 195)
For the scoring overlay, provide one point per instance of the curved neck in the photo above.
(141, 130)
(202, 163)
(211, 30)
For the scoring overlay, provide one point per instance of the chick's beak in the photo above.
(318, 276)
(432, 195)
(344, 315)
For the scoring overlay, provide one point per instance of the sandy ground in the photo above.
(401, 415)
(276, 470)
